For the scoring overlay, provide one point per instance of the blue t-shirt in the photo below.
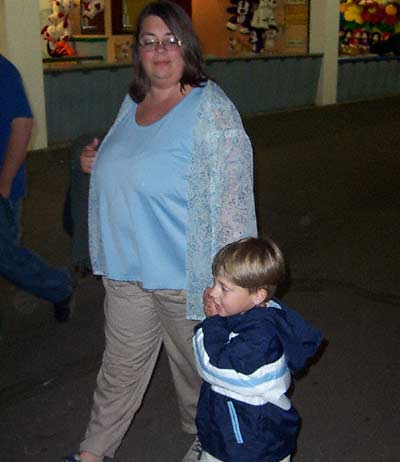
(140, 180)
(13, 104)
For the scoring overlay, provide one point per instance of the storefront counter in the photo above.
(84, 98)
(368, 76)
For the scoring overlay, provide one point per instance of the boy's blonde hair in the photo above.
(251, 263)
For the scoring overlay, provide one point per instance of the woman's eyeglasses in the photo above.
(151, 44)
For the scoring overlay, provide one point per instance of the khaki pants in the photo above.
(137, 322)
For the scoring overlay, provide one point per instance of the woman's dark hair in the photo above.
(180, 24)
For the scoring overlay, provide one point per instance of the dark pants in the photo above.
(23, 267)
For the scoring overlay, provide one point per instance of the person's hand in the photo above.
(88, 156)
(209, 304)
(5, 188)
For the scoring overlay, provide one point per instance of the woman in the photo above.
(172, 183)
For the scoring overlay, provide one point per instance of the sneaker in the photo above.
(62, 312)
(76, 458)
(194, 453)
(72, 458)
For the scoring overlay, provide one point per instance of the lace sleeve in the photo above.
(220, 199)
(233, 207)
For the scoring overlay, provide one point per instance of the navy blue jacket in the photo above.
(246, 362)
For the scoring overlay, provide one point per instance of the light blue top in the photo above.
(141, 176)
(220, 192)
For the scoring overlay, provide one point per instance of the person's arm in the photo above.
(236, 195)
(247, 364)
(231, 176)
(21, 129)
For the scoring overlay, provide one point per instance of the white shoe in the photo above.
(194, 453)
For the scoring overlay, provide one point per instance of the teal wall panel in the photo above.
(368, 77)
(85, 99)
(269, 84)
(83, 102)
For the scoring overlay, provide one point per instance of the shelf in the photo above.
(89, 38)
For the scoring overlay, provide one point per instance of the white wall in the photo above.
(20, 42)
(324, 29)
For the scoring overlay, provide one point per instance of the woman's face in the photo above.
(164, 65)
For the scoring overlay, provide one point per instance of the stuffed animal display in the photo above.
(59, 27)
(368, 25)
(257, 19)
(58, 30)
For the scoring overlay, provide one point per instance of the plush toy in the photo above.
(61, 48)
(389, 14)
(235, 46)
(257, 37)
(264, 14)
(372, 13)
(50, 33)
(64, 29)
(390, 45)
(254, 41)
(357, 41)
(57, 12)
(364, 42)
(59, 28)
(352, 11)
(375, 38)
(242, 12)
(270, 38)
(68, 5)
(123, 51)
(344, 43)
(92, 7)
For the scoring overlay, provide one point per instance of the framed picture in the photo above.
(125, 12)
(91, 26)
(121, 17)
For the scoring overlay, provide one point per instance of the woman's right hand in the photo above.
(88, 156)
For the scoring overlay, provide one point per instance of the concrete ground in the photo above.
(327, 182)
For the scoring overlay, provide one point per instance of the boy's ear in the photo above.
(260, 296)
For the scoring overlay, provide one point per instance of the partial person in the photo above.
(18, 264)
(246, 350)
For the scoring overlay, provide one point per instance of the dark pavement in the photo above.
(327, 189)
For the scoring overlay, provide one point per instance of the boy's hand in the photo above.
(209, 304)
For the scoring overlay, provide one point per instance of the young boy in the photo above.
(246, 351)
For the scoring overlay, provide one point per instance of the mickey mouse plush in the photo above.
(242, 12)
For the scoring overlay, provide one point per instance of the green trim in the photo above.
(88, 39)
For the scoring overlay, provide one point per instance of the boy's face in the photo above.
(231, 299)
